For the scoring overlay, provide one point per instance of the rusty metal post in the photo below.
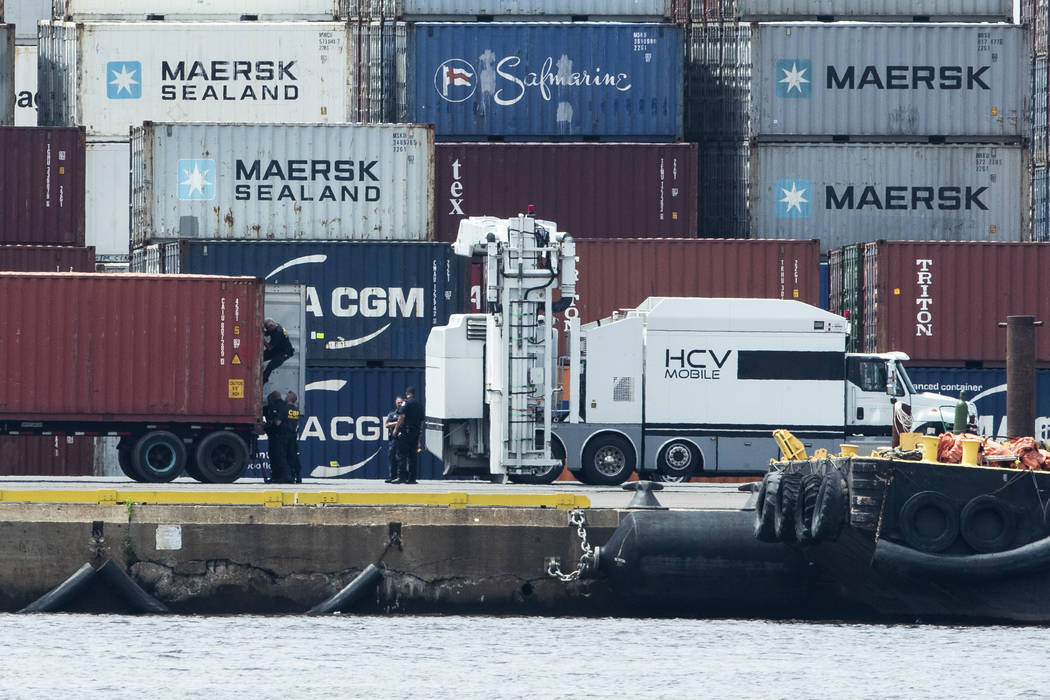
(1020, 375)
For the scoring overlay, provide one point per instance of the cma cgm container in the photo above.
(879, 10)
(172, 364)
(900, 80)
(108, 76)
(341, 433)
(282, 181)
(7, 74)
(195, 10)
(46, 258)
(42, 185)
(591, 189)
(941, 302)
(851, 193)
(373, 301)
(547, 10)
(47, 455)
(546, 81)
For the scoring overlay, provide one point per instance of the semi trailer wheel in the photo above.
(158, 456)
(222, 457)
(677, 462)
(608, 460)
(124, 460)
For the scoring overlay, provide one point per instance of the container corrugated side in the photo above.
(92, 347)
(622, 273)
(24, 14)
(942, 302)
(524, 80)
(46, 258)
(1041, 27)
(1040, 204)
(879, 10)
(899, 80)
(367, 301)
(195, 10)
(42, 185)
(341, 433)
(7, 74)
(592, 190)
(47, 455)
(108, 197)
(517, 9)
(282, 181)
(717, 82)
(109, 76)
(1040, 99)
(853, 193)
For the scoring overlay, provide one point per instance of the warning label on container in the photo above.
(236, 359)
(236, 388)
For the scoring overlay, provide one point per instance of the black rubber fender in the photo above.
(929, 521)
(830, 508)
(807, 500)
(787, 502)
(365, 582)
(897, 559)
(987, 524)
(138, 600)
(765, 508)
(64, 592)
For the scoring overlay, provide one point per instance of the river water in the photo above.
(108, 656)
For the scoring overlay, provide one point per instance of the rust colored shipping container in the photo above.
(621, 273)
(42, 185)
(47, 455)
(606, 190)
(941, 302)
(98, 348)
(47, 258)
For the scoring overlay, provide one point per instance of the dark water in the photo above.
(96, 656)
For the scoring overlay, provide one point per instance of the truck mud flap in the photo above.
(109, 575)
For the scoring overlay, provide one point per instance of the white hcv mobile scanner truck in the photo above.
(672, 388)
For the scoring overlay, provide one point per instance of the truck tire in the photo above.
(548, 476)
(677, 462)
(222, 457)
(124, 461)
(786, 503)
(158, 456)
(608, 460)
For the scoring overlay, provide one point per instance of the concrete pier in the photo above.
(247, 548)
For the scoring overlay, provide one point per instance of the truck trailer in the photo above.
(171, 364)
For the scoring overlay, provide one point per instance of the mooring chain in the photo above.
(576, 518)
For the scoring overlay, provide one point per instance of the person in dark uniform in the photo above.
(274, 413)
(278, 347)
(393, 458)
(407, 434)
(291, 437)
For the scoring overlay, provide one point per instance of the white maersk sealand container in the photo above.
(195, 10)
(282, 181)
(877, 10)
(108, 76)
(888, 80)
(26, 95)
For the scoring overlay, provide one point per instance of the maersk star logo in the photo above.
(794, 199)
(794, 77)
(123, 80)
(196, 179)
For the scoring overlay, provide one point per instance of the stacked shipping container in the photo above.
(25, 14)
(1034, 15)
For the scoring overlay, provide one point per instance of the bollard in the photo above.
(969, 455)
(848, 450)
(929, 447)
(909, 441)
(643, 495)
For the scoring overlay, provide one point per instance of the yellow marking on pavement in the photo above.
(561, 501)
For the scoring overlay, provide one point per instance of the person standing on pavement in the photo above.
(291, 438)
(274, 413)
(393, 459)
(407, 434)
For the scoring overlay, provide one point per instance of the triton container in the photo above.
(195, 10)
(877, 10)
(548, 10)
(282, 181)
(108, 76)
(366, 302)
(853, 193)
(42, 185)
(546, 81)
(598, 190)
(172, 364)
(46, 258)
(906, 81)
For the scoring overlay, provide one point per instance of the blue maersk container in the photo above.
(987, 389)
(366, 301)
(546, 81)
(341, 433)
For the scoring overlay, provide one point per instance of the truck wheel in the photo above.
(549, 476)
(124, 460)
(158, 456)
(608, 460)
(222, 457)
(677, 461)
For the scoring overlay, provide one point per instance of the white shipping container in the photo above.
(107, 180)
(109, 76)
(854, 193)
(282, 181)
(26, 96)
(196, 10)
(899, 80)
(24, 14)
(882, 10)
(7, 74)
(546, 10)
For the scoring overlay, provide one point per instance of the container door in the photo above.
(868, 407)
(286, 304)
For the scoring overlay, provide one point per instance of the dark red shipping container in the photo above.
(47, 455)
(591, 190)
(42, 185)
(941, 302)
(621, 273)
(130, 348)
(47, 258)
